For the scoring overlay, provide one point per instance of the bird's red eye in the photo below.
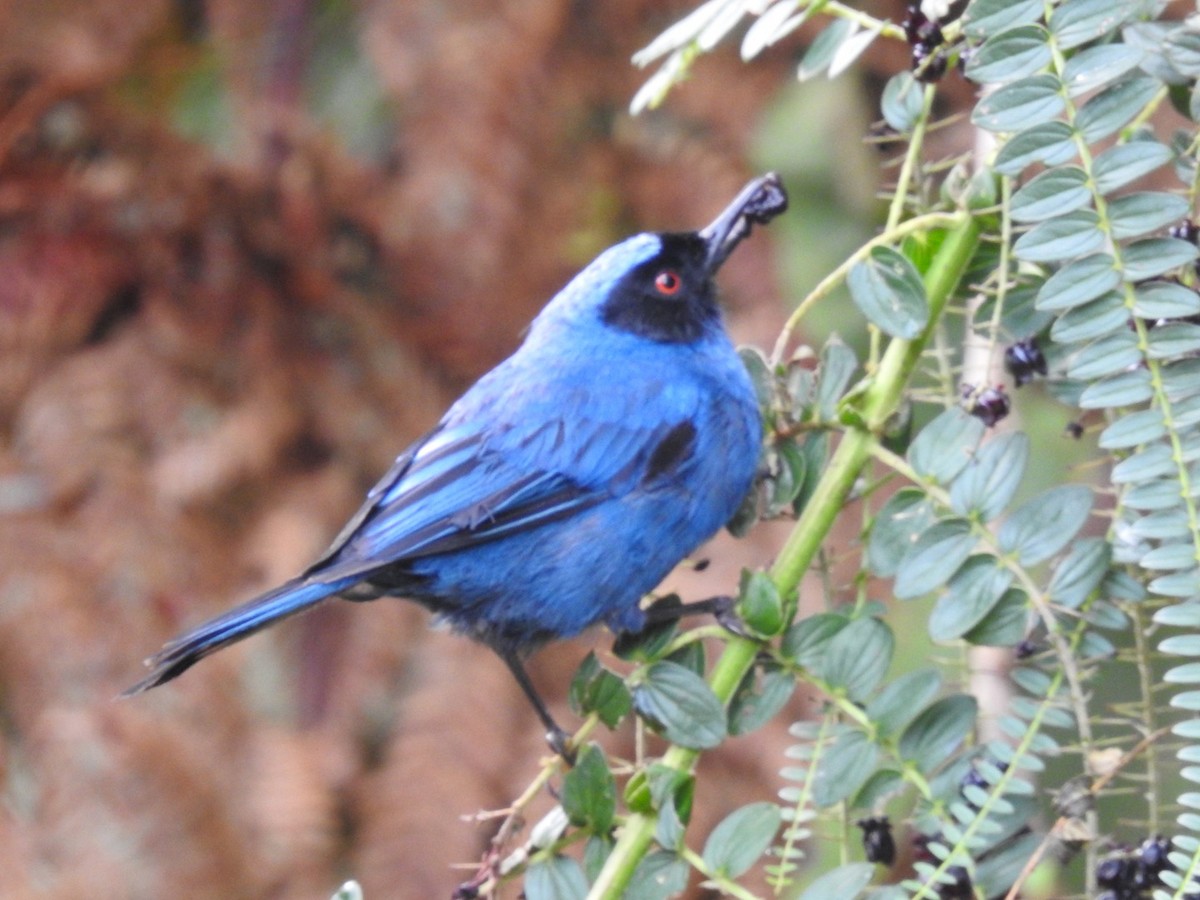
(668, 282)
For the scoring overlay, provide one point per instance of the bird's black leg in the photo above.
(721, 608)
(556, 737)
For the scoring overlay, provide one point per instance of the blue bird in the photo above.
(568, 481)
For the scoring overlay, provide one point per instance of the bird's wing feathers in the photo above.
(459, 487)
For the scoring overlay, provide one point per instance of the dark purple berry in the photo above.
(1027, 648)
(960, 887)
(1113, 872)
(914, 22)
(1187, 230)
(1023, 360)
(1074, 429)
(1153, 852)
(878, 844)
(991, 406)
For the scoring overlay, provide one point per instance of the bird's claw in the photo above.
(725, 612)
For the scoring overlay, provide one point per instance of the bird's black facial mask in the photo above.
(671, 297)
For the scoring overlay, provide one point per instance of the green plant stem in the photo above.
(838, 275)
(880, 400)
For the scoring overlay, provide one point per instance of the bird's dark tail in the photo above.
(183, 652)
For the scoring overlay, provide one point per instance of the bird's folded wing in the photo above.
(458, 488)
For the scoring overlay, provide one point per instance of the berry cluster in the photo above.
(1132, 874)
(925, 37)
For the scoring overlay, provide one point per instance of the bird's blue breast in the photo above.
(594, 404)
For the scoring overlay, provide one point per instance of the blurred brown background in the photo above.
(247, 253)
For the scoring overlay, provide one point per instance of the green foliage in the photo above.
(1068, 224)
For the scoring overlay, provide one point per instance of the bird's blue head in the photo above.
(660, 286)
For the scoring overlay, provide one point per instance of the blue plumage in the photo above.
(569, 480)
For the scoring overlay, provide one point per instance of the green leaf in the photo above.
(1095, 319)
(1110, 355)
(932, 737)
(660, 875)
(1173, 341)
(1009, 55)
(837, 366)
(1052, 193)
(752, 707)
(900, 701)
(889, 291)
(787, 467)
(1140, 213)
(1043, 525)
(1051, 143)
(902, 102)
(1154, 495)
(1125, 389)
(846, 882)
(1165, 300)
(906, 514)
(1132, 429)
(935, 556)
(1181, 645)
(821, 51)
(1076, 22)
(807, 641)
(844, 768)
(1020, 104)
(858, 657)
(1118, 166)
(741, 838)
(1181, 615)
(971, 594)
(943, 448)
(850, 50)
(984, 18)
(759, 604)
(681, 705)
(595, 854)
(1063, 237)
(1115, 106)
(1078, 282)
(776, 23)
(1168, 525)
(1004, 625)
(760, 373)
(1182, 47)
(1150, 462)
(1169, 557)
(990, 480)
(1183, 584)
(1097, 66)
(879, 788)
(596, 689)
(555, 878)
(589, 793)
(1154, 256)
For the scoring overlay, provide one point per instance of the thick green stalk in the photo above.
(879, 402)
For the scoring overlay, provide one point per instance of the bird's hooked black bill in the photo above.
(759, 202)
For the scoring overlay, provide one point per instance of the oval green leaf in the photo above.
(1043, 525)
(935, 556)
(741, 838)
(888, 290)
(681, 705)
